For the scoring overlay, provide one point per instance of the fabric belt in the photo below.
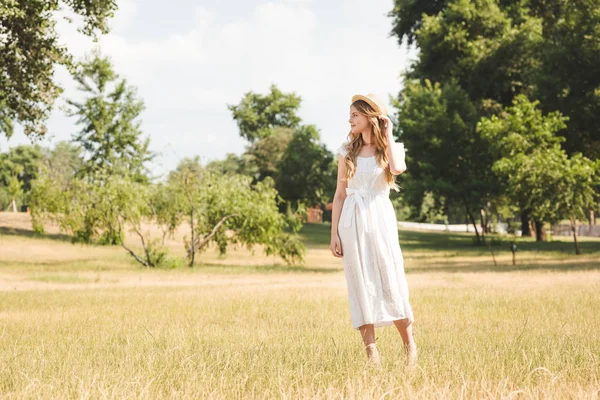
(357, 197)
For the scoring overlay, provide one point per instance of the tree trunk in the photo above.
(540, 231)
(14, 205)
(198, 244)
(482, 224)
(192, 250)
(525, 224)
(192, 255)
(574, 230)
(479, 241)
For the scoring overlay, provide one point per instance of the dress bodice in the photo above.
(369, 177)
(364, 188)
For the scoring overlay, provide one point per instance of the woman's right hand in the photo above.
(336, 246)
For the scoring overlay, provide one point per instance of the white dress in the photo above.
(372, 259)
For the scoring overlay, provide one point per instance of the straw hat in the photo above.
(373, 101)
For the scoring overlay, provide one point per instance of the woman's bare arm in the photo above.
(339, 197)
(397, 158)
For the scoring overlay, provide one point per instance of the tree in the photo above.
(82, 206)
(63, 162)
(257, 115)
(538, 174)
(451, 161)
(27, 157)
(18, 168)
(579, 190)
(571, 32)
(497, 49)
(408, 15)
(229, 210)
(476, 43)
(484, 48)
(29, 53)
(110, 132)
(15, 187)
(232, 164)
(265, 154)
(304, 169)
(285, 150)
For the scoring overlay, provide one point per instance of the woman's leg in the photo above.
(367, 332)
(404, 326)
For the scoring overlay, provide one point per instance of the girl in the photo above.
(364, 230)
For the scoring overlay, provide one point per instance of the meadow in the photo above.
(88, 322)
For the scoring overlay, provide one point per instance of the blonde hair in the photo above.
(356, 142)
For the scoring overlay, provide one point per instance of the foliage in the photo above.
(304, 169)
(230, 210)
(63, 161)
(110, 132)
(528, 154)
(232, 164)
(18, 168)
(478, 45)
(449, 159)
(538, 173)
(29, 52)
(568, 79)
(15, 187)
(26, 158)
(257, 115)
(497, 49)
(432, 209)
(283, 149)
(407, 17)
(266, 154)
(96, 206)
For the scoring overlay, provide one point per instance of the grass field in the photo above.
(87, 322)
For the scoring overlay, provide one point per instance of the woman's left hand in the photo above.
(388, 127)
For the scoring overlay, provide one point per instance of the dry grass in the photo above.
(86, 321)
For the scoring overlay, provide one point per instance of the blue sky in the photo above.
(190, 59)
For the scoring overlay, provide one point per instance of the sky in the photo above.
(189, 59)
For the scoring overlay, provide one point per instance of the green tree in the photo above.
(257, 115)
(29, 52)
(22, 164)
(227, 209)
(110, 132)
(539, 175)
(15, 187)
(449, 158)
(408, 15)
(571, 42)
(63, 161)
(282, 148)
(187, 165)
(82, 206)
(476, 43)
(27, 158)
(496, 49)
(266, 154)
(304, 169)
(579, 190)
(232, 164)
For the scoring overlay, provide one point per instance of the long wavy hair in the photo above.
(356, 142)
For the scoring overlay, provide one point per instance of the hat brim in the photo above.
(378, 108)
